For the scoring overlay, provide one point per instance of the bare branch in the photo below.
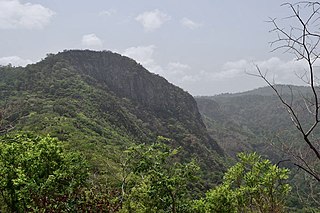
(306, 170)
(302, 39)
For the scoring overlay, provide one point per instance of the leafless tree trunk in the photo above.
(301, 39)
(5, 124)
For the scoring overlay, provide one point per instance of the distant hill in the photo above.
(257, 121)
(267, 91)
(252, 120)
(102, 102)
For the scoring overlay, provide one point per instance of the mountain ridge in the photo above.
(256, 116)
(102, 101)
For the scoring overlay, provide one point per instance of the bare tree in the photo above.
(302, 39)
(9, 116)
(5, 125)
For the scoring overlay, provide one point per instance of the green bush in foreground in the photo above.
(252, 185)
(36, 173)
(156, 181)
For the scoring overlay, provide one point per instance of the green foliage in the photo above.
(248, 121)
(36, 171)
(156, 182)
(252, 185)
(99, 103)
(257, 121)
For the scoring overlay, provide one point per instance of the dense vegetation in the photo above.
(39, 175)
(95, 131)
(252, 185)
(256, 121)
(36, 173)
(99, 104)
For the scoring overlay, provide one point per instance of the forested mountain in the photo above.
(100, 103)
(257, 121)
(130, 141)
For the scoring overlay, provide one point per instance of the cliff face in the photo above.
(126, 78)
(149, 92)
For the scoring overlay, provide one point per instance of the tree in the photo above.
(302, 39)
(156, 182)
(8, 117)
(252, 185)
(35, 172)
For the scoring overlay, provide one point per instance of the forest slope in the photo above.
(254, 120)
(100, 103)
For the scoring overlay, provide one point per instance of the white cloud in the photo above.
(91, 41)
(14, 61)
(189, 23)
(178, 66)
(152, 20)
(143, 55)
(282, 72)
(175, 72)
(109, 12)
(233, 76)
(230, 77)
(15, 15)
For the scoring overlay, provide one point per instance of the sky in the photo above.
(206, 47)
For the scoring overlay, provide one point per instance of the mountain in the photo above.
(267, 91)
(100, 103)
(255, 120)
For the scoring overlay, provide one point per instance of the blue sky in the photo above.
(204, 46)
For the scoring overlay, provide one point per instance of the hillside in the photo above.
(253, 120)
(257, 121)
(105, 105)
(100, 103)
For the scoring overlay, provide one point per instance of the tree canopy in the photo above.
(253, 184)
(36, 171)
